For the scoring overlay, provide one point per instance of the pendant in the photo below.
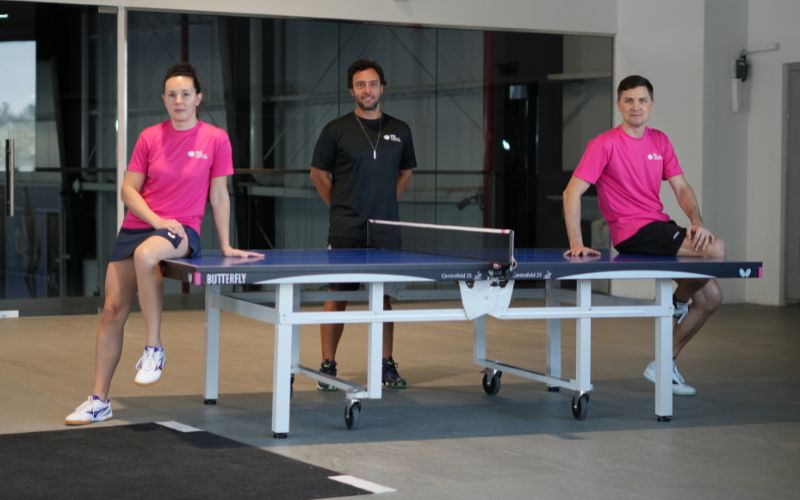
(374, 155)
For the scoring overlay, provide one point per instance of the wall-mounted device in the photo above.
(740, 70)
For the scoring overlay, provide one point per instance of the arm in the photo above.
(322, 180)
(403, 180)
(132, 198)
(697, 234)
(572, 218)
(221, 207)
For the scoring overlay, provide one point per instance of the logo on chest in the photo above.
(197, 154)
(654, 156)
(392, 137)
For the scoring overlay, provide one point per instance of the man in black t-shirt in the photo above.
(362, 164)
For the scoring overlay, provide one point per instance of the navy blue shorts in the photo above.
(129, 239)
(655, 238)
(339, 242)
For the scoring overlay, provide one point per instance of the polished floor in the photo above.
(443, 438)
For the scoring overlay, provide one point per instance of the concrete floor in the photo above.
(443, 437)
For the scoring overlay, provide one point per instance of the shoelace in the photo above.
(681, 310)
(676, 375)
(147, 361)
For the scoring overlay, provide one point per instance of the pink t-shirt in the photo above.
(178, 167)
(627, 173)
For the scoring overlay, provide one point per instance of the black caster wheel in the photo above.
(660, 418)
(580, 406)
(209, 401)
(553, 389)
(352, 415)
(279, 435)
(492, 386)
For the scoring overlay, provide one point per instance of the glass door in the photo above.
(57, 155)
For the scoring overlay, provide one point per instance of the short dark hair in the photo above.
(633, 81)
(361, 65)
(182, 69)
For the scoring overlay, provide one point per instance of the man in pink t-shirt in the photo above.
(627, 164)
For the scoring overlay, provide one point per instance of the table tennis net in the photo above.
(494, 246)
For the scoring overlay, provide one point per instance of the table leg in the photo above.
(663, 353)
(282, 363)
(211, 386)
(375, 343)
(583, 338)
(553, 327)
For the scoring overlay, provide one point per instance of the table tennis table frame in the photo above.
(287, 317)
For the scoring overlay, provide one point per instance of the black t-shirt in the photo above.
(364, 187)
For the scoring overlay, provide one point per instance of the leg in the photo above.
(390, 377)
(331, 333)
(120, 289)
(146, 260)
(388, 330)
(706, 298)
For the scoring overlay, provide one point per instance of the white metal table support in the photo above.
(211, 386)
(663, 350)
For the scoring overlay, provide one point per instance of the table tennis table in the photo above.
(483, 292)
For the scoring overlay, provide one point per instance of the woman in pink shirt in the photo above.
(175, 167)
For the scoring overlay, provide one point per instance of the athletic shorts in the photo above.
(335, 242)
(129, 239)
(655, 238)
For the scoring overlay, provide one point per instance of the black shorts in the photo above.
(129, 239)
(655, 238)
(335, 242)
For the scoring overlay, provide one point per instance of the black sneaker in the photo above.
(327, 367)
(391, 379)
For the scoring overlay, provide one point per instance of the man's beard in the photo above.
(372, 107)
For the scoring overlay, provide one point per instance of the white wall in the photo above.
(773, 21)
(724, 200)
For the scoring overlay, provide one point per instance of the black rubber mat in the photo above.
(153, 461)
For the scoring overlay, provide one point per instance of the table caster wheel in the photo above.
(580, 406)
(660, 418)
(352, 415)
(492, 386)
(280, 435)
(209, 401)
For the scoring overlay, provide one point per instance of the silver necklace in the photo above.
(377, 139)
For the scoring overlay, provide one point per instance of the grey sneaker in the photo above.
(679, 385)
(681, 310)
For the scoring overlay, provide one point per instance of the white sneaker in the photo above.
(92, 410)
(150, 365)
(679, 385)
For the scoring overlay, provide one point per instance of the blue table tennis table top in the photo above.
(531, 264)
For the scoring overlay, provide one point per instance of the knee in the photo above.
(113, 313)
(718, 249)
(709, 298)
(145, 257)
